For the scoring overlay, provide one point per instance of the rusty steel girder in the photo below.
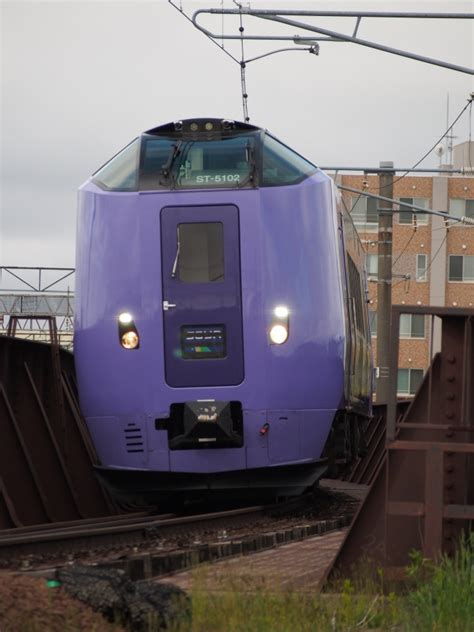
(46, 455)
(365, 467)
(422, 496)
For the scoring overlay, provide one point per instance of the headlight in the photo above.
(127, 331)
(281, 311)
(278, 334)
(125, 318)
(130, 340)
(280, 325)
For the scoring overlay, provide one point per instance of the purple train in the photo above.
(221, 336)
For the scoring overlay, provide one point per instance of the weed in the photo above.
(443, 596)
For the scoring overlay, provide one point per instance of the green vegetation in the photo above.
(436, 598)
(443, 597)
(439, 598)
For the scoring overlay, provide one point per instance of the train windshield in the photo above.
(195, 164)
(181, 160)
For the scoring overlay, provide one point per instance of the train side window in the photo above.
(282, 165)
(355, 288)
(121, 172)
(201, 252)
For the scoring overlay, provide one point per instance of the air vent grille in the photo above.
(133, 438)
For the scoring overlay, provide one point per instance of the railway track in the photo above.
(121, 540)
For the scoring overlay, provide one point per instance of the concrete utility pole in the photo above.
(384, 285)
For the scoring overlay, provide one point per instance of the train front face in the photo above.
(209, 337)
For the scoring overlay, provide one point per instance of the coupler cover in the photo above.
(205, 424)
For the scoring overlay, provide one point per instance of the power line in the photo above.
(414, 207)
(243, 80)
(333, 36)
(429, 265)
(180, 9)
(353, 206)
(468, 104)
(404, 248)
(470, 135)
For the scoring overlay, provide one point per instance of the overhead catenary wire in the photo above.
(469, 148)
(428, 266)
(180, 9)
(222, 26)
(404, 248)
(242, 62)
(329, 35)
(365, 185)
(314, 48)
(243, 79)
(415, 208)
(433, 147)
(353, 205)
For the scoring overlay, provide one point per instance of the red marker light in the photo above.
(264, 429)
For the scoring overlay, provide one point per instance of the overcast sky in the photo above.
(79, 80)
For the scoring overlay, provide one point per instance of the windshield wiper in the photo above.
(250, 159)
(165, 171)
(176, 259)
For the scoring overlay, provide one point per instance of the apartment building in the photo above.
(433, 259)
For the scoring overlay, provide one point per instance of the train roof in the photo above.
(202, 125)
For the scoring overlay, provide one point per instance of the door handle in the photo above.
(167, 306)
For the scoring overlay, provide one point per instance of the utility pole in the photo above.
(384, 284)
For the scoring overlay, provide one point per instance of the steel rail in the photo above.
(11, 537)
(56, 526)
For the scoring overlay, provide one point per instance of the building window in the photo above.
(421, 267)
(412, 326)
(461, 268)
(372, 263)
(461, 208)
(405, 215)
(364, 212)
(373, 322)
(408, 381)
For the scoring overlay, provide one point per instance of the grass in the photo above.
(440, 598)
(266, 611)
(444, 601)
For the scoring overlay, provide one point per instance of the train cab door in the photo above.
(202, 302)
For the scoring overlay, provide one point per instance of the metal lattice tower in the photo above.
(33, 294)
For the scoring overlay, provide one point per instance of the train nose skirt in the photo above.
(204, 424)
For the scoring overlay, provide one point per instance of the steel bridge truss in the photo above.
(422, 494)
(30, 297)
